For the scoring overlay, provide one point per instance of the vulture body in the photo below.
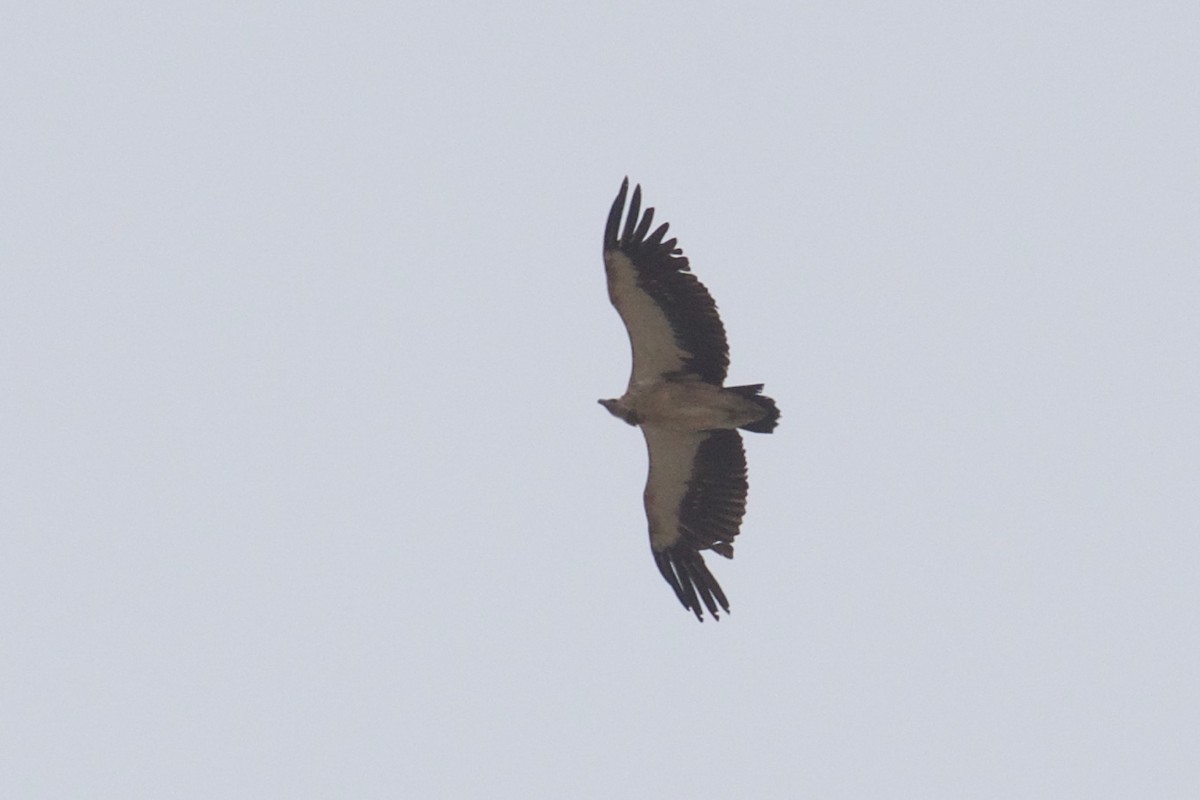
(695, 494)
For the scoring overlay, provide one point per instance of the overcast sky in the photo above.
(304, 491)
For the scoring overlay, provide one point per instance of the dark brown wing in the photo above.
(671, 318)
(695, 500)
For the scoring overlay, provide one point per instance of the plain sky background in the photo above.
(304, 491)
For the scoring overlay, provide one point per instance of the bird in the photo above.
(695, 496)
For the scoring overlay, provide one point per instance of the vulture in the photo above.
(695, 494)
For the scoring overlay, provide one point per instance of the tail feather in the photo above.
(770, 418)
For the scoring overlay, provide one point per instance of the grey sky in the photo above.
(304, 491)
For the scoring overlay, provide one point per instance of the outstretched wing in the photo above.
(695, 500)
(671, 318)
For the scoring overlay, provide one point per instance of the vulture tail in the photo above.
(770, 418)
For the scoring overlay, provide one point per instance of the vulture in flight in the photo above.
(696, 491)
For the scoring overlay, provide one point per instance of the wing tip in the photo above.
(612, 229)
(684, 570)
(637, 225)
